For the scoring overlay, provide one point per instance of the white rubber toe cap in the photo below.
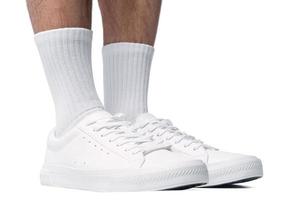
(218, 157)
(225, 168)
(176, 166)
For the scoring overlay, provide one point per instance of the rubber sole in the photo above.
(243, 171)
(137, 180)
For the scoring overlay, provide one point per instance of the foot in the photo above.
(100, 154)
(223, 167)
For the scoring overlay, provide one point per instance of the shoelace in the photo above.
(160, 127)
(119, 132)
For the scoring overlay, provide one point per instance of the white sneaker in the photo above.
(100, 154)
(223, 167)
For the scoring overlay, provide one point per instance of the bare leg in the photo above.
(130, 20)
(53, 14)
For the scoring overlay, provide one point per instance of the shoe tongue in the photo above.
(144, 118)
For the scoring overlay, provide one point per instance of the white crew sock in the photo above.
(126, 77)
(66, 57)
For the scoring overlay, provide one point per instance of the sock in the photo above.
(126, 77)
(66, 57)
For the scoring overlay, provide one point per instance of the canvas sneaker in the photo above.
(223, 167)
(100, 154)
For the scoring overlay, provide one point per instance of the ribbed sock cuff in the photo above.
(64, 35)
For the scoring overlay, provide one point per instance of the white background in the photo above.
(225, 71)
